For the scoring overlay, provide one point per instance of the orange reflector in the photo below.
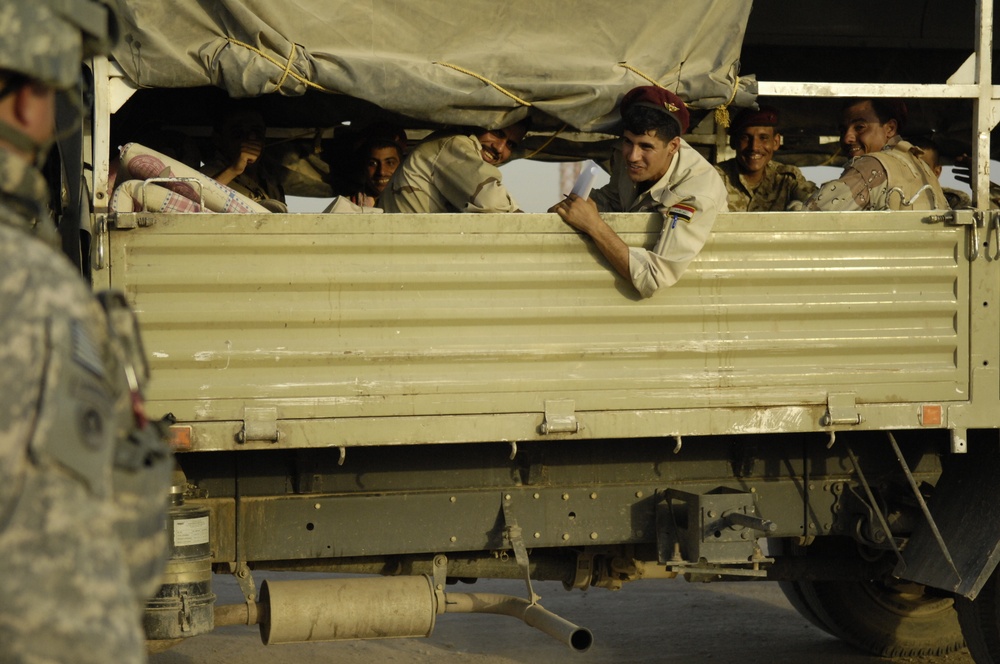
(930, 415)
(180, 438)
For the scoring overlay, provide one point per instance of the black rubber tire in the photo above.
(791, 589)
(980, 621)
(888, 620)
(794, 594)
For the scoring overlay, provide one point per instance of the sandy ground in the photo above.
(666, 622)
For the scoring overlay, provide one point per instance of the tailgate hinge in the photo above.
(560, 417)
(841, 409)
(259, 425)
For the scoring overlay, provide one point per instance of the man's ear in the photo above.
(778, 140)
(891, 128)
(675, 144)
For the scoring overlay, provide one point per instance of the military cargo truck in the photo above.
(432, 398)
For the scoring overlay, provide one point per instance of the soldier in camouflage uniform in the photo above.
(83, 476)
(455, 173)
(754, 181)
(884, 172)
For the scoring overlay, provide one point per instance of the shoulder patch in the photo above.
(85, 351)
(681, 211)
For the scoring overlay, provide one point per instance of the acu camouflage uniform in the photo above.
(894, 178)
(447, 174)
(83, 478)
(782, 187)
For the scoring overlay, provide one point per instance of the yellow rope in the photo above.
(546, 143)
(625, 65)
(722, 112)
(498, 87)
(287, 66)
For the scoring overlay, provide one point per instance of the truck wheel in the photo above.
(882, 618)
(792, 589)
(980, 620)
(794, 594)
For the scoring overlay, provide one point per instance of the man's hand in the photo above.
(580, 213)
(249, 153)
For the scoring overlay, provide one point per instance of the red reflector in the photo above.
(930, 415)
(180, 438)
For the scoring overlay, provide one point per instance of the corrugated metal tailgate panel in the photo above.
(372, 316)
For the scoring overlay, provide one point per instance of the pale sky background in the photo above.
(535, 184)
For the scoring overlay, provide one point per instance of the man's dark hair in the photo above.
(640, 119)
(885, 109)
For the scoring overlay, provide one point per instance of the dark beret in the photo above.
(661, 99)
(766, 116)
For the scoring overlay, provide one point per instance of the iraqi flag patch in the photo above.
(681, 211)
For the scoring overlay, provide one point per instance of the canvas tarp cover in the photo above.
(446, 61)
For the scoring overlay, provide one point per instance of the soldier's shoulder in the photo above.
(38, 279)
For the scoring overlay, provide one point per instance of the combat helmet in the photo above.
(45, 40)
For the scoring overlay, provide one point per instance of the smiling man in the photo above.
(455, 173)
(885, 172)
(756, 183)
(654, 170)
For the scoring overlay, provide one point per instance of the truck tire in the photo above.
(980, 621)
(882, 618)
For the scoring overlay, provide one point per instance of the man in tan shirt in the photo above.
(455, 173)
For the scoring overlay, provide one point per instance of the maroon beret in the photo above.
(660, 99)
(765, 116)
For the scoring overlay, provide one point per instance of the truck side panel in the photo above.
(377, 329)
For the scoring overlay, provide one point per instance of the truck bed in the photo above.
(308, 330)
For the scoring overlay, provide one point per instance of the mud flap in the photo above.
(966, 507)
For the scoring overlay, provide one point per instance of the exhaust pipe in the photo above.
(380, 608)
(578, 638)
(345, 609)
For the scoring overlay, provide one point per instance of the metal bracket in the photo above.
(873, 504)
(993, 235)
(512, 532)
(959, 441)
(245, 579)
(560, 417)
(440, 580)
(923, 507)
(259, 425)
(841, 409)
(100, 259)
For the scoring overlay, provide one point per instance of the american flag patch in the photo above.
(681, 211)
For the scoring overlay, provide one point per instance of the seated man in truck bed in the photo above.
(455, 173)
(755, 182)
(655, 170)
(238, 161)
(885, 172)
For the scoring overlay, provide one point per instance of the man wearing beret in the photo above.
(756, 183)
(455, 173)
(654, 170)
(884, 172)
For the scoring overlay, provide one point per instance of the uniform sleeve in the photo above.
(800, 192)
(687, 223)
(468, 182)
(854, 189)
